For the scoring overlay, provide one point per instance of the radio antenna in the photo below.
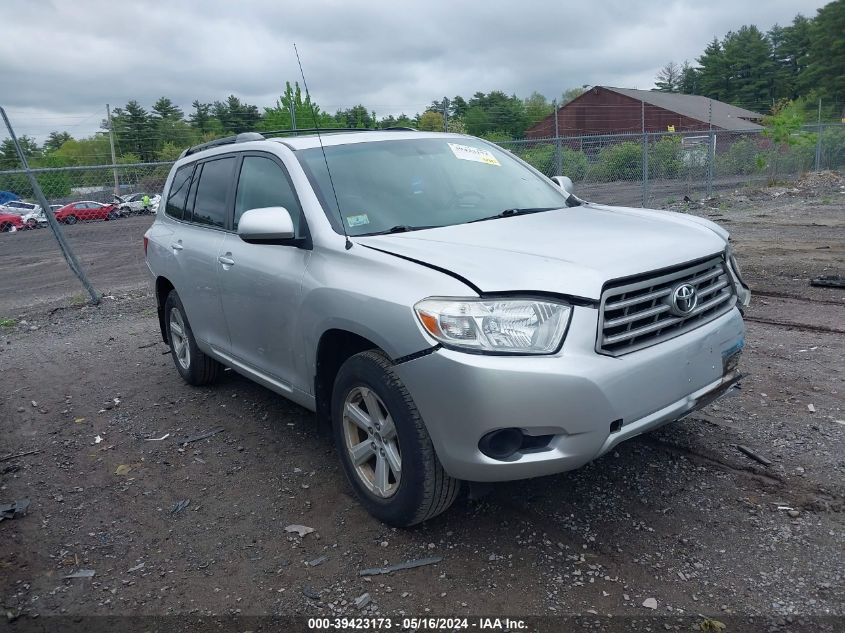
(323, 149)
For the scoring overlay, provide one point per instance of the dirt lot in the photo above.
(680, 516)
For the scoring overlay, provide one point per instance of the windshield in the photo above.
(422, 183)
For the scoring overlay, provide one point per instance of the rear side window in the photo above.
(179, 192)
(212, 192)
(263, 183)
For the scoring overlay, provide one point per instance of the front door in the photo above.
(261, 283)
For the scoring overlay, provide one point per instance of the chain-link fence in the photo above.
(658, 168)
(105, 230)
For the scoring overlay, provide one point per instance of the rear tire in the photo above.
(5, 227)
(192, 364)
(113, 215)
(394, 432)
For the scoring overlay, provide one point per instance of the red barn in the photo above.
(606, 110)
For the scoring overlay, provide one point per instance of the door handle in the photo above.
(226, 261)
(177, 246)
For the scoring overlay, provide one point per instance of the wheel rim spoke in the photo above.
(358, 417)
(391, 451)
(388, 429)
(381, 482)
(371, 400)
(362, 453)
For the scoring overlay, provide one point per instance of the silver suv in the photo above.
(450, 312)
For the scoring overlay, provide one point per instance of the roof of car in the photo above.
(329, 138)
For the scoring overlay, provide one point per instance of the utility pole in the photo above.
(111, 142)
(819, 139)
(445, 114)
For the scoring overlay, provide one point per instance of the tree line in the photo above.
(163, 131)
(801, 62)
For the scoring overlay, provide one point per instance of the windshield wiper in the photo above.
(400, 228)
(511, 212)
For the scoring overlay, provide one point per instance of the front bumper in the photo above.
(574, 396)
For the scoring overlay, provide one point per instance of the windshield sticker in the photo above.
(357, 220)
(465, 152)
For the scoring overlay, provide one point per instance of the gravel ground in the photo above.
(679, 520)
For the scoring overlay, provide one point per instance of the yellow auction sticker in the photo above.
(466, 152)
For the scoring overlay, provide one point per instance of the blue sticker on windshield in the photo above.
(357, 220)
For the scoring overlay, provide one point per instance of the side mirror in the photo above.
(266, 224)
(565, 183)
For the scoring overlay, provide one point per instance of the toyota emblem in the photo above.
(684, 299)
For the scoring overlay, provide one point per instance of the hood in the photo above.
(572, 251)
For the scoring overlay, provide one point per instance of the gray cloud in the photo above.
(391, 56)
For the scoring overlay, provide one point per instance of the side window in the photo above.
(179, 192)
(212, 192)
(192, 194)
(264, 184)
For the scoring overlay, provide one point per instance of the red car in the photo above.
(9, 221)
(86, 210)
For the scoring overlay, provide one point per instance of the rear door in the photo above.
(261, 283)
(196, 245)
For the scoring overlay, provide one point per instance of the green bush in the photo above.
(740, 159)
(622, 161)
(664, 158)
(833, 148)
(543, 159)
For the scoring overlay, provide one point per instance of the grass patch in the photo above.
(8, 322)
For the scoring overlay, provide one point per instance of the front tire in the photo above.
(71, 219)
(192, 364)
(385, 449)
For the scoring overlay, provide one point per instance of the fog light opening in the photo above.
(501, 444)
(616, 426)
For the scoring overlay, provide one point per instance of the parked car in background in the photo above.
(86, 210)
(133, 204)
(451, 312)
(19, 206)
(34, 219)
(31, 213)
(10, 222)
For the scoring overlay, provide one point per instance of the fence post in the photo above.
(711, 158)
(69, 256)
(645, 158)
(819, 140)
(558, 153)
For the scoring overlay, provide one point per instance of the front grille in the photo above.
(638, 312)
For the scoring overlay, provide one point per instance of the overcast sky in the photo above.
(62, 60)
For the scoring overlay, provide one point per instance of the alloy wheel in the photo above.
(371, 442)
(179, 338)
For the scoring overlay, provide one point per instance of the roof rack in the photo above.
(245, 137)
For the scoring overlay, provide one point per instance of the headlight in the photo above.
(509, 326)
